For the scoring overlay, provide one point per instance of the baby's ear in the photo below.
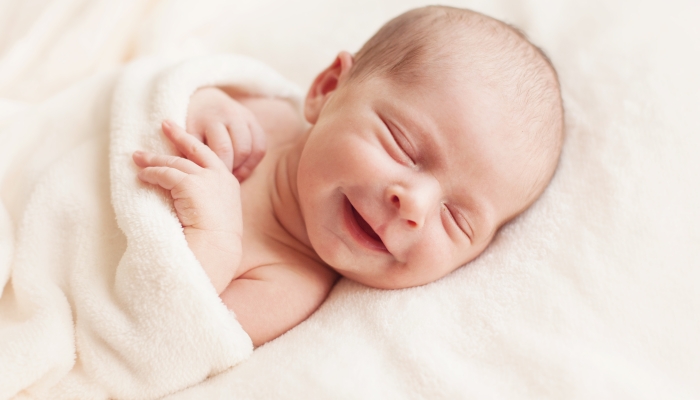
(325, 83)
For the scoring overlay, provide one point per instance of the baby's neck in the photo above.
(284, 195)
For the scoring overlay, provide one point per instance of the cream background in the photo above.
(592, 293)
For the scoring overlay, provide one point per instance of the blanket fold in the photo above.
(104, 299)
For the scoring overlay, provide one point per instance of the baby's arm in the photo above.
(271, 299)
(207, 201)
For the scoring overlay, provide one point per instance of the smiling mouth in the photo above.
(362, 231)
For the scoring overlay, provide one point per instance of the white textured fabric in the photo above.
(589, 294)
(104, 298)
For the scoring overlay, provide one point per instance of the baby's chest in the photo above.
(265, 243)
(261, 250)
(269, 254)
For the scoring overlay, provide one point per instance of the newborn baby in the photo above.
(443, 127)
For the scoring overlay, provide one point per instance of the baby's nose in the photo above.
(412, 203)
(403, 214)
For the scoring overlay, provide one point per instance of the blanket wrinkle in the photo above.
(104, 299)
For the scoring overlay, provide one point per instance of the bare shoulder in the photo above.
(271, 299)
(281, 121)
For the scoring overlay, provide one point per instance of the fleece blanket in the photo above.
(591, 294)
(101, 297)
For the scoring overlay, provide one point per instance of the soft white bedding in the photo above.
(104, 298)
(590, 294)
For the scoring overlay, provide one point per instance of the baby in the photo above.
(443, 127)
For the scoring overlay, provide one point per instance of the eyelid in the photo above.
(398, 141)
(460, 226)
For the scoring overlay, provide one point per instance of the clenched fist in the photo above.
(228, 128)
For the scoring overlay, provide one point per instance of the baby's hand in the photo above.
(206, 198)
(228, 128)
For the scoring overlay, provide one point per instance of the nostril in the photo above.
(395, 200)
(412, 224)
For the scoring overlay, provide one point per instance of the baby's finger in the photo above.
(218, 139)
(257, 151)
(192, 148)
(241, 139)
(165, 177)
(145, 159)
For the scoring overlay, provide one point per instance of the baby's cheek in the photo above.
(435, 252)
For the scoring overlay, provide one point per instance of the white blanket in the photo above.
(591, 294)
(104, 298)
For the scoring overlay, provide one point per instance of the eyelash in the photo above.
(454, 220)
(396, 141)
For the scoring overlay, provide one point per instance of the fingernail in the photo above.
(167, 124)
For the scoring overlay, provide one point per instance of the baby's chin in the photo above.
(384, 284)
(381, 270)
(389, 282)
(358, 272)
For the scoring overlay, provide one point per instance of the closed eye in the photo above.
(453, 220)
(401, 144)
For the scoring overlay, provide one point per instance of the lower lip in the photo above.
(357, 233)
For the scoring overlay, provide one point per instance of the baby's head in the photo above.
(443, 127)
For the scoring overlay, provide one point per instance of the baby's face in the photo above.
(400, 185)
